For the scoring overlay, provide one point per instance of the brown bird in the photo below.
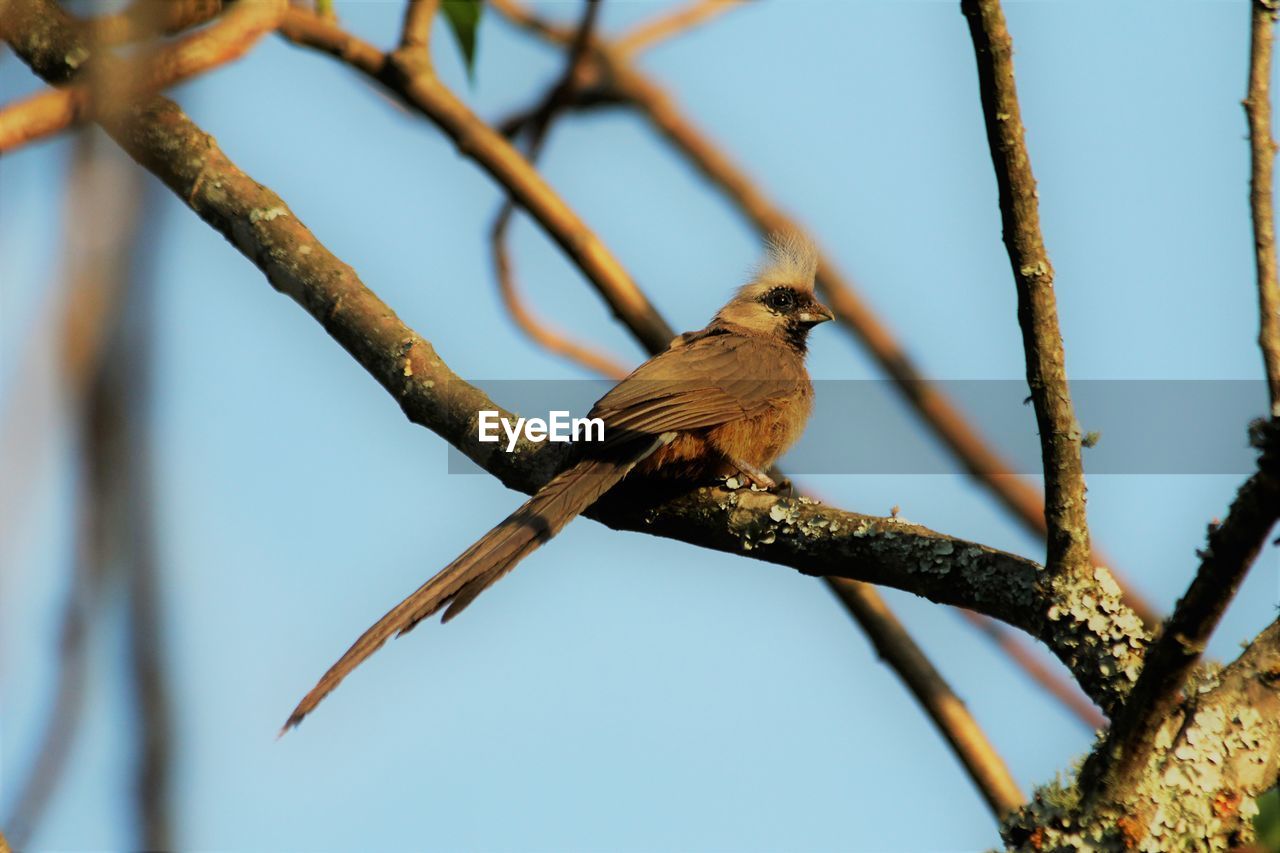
(724, 401)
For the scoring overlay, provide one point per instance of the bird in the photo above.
(723, 402)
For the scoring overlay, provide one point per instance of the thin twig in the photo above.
(1112, 771)
(55, 110)
(1067, 693)
(645, 35)
(896, 647)
(536, 131)
(415, 33)
(1069, 555)
(1262, 148)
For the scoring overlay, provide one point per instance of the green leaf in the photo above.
(1267, 823)
(464, 19)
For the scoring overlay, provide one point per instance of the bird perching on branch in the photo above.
(724, 401)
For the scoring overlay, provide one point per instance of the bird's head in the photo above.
(779, 299)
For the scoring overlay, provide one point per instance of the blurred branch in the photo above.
(409, 75)
(1262, 148)
(1113, 771)
(99, 220)
(1059, 688)
(648, 34)
(134, 373)
(896, 647)
(1069, 556)
(415, 33)
(536, 131)
(99, 343)
(620, 81)
(67, 704)
(165, 17)
(55, 110)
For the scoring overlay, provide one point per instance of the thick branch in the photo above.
(1060, 435)
(1212, 756)
(1262, 149)
(1114, 770)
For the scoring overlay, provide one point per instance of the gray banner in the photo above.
(866, 427)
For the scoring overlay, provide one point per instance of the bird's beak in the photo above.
(816, 313)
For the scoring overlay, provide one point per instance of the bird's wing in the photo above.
(712, 380)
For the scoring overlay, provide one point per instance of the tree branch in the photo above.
(646, 35)
(55, 110)
(409, 76)
(895, 646)
(99, 224)
(1060, 437)
(415, 33)
(1114, 770)
(1262, 149)
(165, 16)
(1212, 756)
(1066, 692)
(536, 130)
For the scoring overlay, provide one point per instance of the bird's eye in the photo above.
(781, 299)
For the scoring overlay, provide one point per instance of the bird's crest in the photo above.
(791, 258)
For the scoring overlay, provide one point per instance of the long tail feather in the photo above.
(477, 568)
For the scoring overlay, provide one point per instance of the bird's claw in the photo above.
(751, 476)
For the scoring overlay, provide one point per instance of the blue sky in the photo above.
(620, 692)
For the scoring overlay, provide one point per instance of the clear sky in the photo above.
(621, 692)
